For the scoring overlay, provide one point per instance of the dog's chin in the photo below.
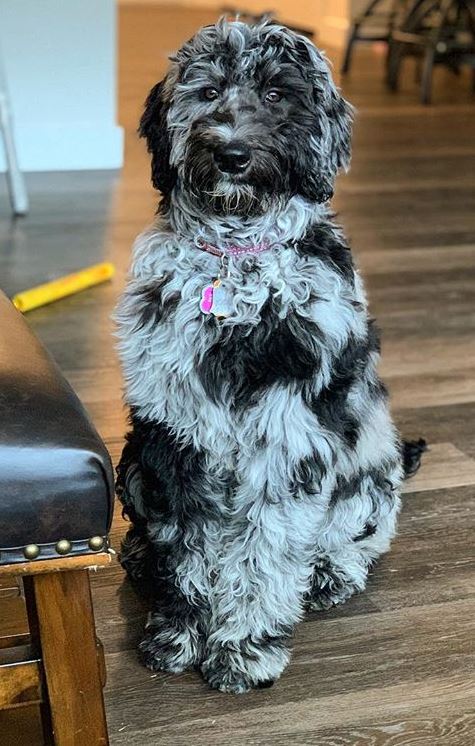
(233, 195)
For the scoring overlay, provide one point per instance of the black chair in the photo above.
(374, 24)
(435, 32)
(56, 503)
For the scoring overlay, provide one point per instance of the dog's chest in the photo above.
(201, 375)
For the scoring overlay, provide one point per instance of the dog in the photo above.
(262, 470)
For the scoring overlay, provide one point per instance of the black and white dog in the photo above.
(262, 470)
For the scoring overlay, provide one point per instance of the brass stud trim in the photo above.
(63, 546)
(31, 551)
(96, 543)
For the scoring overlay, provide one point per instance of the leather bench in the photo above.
(56, 503)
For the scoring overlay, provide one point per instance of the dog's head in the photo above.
(247, 115)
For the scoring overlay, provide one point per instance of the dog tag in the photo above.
(215, 299)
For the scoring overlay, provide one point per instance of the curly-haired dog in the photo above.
(262, 470)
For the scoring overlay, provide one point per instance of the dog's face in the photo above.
(247, 116)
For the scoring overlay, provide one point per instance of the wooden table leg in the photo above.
(68, 648)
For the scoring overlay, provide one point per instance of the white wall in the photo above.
(333, 22)
(60, 62)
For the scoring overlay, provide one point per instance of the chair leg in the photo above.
(393, 67)
(15, 180)
(345, 67)
(60, 605)
(427, 71)
(417, 70)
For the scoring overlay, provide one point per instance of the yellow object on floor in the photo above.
(63, 286)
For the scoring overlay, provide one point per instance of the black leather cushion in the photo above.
(56, 478)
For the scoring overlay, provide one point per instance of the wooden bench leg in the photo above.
(62, 605)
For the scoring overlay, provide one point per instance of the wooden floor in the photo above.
(395, 665)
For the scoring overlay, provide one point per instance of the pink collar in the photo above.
(232, 250)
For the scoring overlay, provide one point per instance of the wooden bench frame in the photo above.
(60, 664)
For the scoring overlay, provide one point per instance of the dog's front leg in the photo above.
(257, 599)
(237, 664)
(174, 633)
(166, 494)
(172, 642)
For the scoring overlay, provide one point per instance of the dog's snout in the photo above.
(232, 158)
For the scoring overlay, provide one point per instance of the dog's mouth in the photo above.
(233, 195)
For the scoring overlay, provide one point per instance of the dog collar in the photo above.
(216, 298)
(233, 249)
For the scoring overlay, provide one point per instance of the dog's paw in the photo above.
(325, 599)
(169, 647)
(329, 588)
(236, 668)
(228, 681)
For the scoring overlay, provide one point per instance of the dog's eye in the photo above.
(210, 93)
(273, 97)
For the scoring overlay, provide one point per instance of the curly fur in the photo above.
(262, 470)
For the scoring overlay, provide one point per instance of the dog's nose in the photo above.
(232, 158)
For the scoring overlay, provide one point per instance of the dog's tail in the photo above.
(412, 451)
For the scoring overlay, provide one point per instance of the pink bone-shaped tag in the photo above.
(206, 303)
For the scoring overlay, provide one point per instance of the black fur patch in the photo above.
(174, 480)
(152, 307)
(153, 126)
(323, 242)
(346, 488)
(138, 560)
(412, 451)
(369, 530)
(330, 405)
(308, 474)
(245, 361)
(264, 684)
(160, 480)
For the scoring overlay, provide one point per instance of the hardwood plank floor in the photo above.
(394, 666)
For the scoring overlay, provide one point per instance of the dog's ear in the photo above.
(331, 144)
(153, 127)
(332, 149)
(340, 116)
